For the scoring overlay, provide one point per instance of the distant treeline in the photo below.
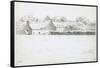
(77, 26)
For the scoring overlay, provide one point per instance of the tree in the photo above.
(63, 19)
(83, 20)
(70, 28)
(47, 18)
(27, 28)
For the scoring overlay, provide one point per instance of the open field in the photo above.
(49, 49)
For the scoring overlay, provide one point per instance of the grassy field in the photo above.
(49, 49)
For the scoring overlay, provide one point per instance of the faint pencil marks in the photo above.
(30, 25)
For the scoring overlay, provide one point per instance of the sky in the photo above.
(42, 10)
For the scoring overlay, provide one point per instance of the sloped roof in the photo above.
(50, 26)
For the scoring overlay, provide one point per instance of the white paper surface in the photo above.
(50, 49)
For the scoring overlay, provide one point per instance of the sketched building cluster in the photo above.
(55, 26)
